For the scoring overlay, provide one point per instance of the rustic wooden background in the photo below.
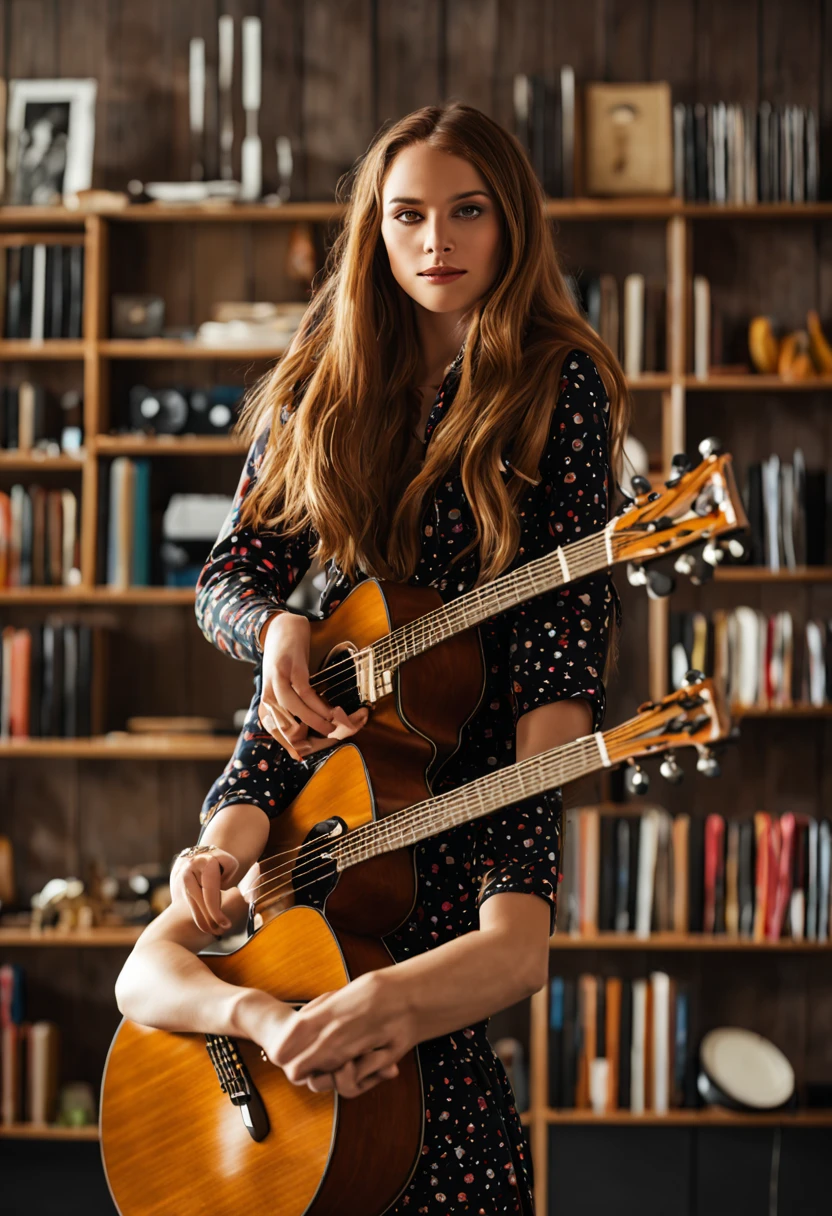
(333, 73)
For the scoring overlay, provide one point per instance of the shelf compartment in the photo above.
(131, 596)
(171, 348)
(761, 574)
(36, 462)
(168, 445)
(118, 936)
(35, 1131)
(50, 348)
(757, 383)
(122, 746)
(693, 1118)
(682, 942)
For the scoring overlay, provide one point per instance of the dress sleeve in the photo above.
(558, 640)
(518, 849)
(249, 574)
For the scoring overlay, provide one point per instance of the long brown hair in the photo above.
(337, 462)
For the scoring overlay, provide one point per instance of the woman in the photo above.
(439, 430)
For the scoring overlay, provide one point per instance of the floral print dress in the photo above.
(475, 1157)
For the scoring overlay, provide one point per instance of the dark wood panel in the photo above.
(337, 89)
(407, 58)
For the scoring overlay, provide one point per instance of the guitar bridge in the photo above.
(235, 1081)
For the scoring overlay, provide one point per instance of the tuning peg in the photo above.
(713, 554)
(709, 447)
(636, 575)
(707, 763)
(627, 504)
(640, 485)
(692, 677)
(659, 584)
(734, 548)
(679, 465)
(637, 780)
(685, 563)
(670, 770)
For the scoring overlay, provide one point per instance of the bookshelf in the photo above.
(160, 618)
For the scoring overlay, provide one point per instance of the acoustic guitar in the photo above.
(393, 647)
(194, 1124)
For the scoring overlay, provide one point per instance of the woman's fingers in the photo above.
(344, 725)
(193, 894)
(289, 701)
(269, 721)
(381, 1061)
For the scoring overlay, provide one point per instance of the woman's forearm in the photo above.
(463, 981)
(166, 986)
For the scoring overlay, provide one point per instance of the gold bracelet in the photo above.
(196, 849)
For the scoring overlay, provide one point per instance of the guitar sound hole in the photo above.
(315, 873)
(338, 679)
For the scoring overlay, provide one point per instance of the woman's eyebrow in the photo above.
(453, 199)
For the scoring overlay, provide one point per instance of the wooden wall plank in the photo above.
(472, 51)
(407, 58)
(282, 106)
(33, 39)
(338, 120)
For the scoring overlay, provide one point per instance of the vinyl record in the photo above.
(743, 1071)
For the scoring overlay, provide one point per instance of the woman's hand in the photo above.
(349, 1039)
(289, 705)
(197, 882)
(271, 1024)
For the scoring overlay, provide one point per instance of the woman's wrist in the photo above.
(248, 1009)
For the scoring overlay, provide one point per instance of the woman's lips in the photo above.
(443, 277)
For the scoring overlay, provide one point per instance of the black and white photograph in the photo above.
(51, 130)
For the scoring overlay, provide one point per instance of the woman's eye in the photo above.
(467, 207)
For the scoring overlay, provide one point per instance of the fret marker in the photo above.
(563, 565)
(598, 737)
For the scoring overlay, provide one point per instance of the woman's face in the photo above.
(438, 210)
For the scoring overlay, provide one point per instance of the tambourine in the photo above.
(743, 1071)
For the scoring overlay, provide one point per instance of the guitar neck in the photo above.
(564, 565)
(511, 784)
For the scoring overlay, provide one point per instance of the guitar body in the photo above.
(412, 732)
(172, 1140)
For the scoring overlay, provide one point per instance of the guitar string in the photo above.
(387, 842)
(390, 658)
(417, 815)
(632, 729)
(430, 810)
(461, 800)
(406, 634)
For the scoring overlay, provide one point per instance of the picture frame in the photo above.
(629, 139)
(50, 136)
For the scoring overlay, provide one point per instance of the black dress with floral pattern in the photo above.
(475, 1155)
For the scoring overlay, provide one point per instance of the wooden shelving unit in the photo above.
(116, 937)
(675, 226)
(35, 1131)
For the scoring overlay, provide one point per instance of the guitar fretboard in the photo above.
(542, 772)
(546, 573)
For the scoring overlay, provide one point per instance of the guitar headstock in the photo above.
(694, 716)
(697, 515)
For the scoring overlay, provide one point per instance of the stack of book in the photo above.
(28, 1057)
(544, 123)
(759, 879)
(759, 660)
(631, 320)
(46, 681)
(44, 291)
(639, 1028)
(30, 419)
(124, 523)
(726, 153)
(39, 544)
(788, 508)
